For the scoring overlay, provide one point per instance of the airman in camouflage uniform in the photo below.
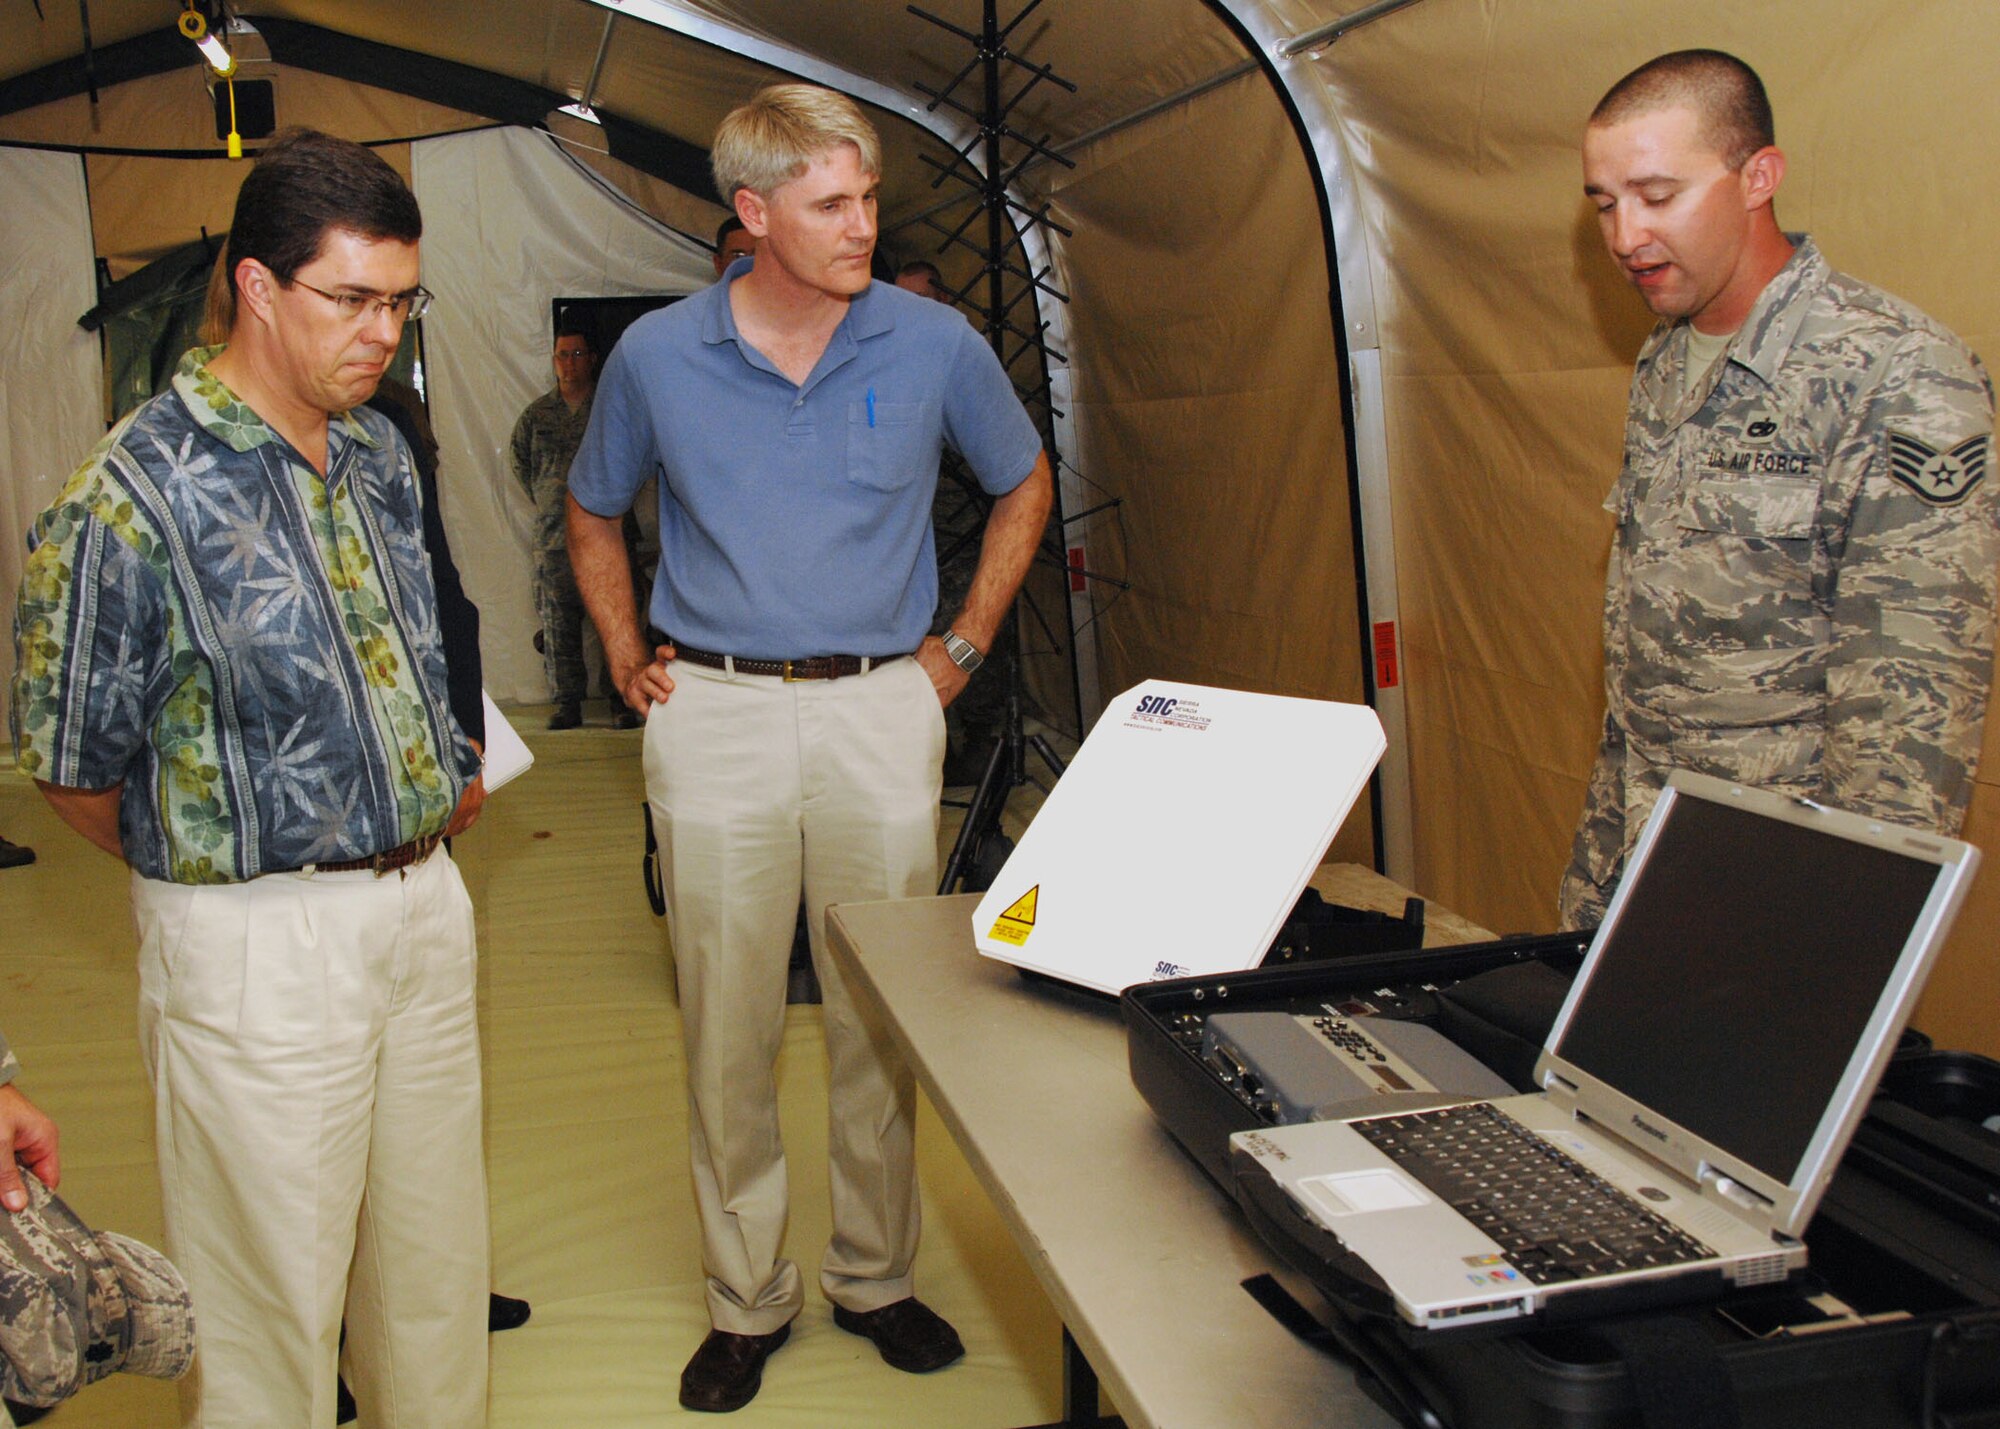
(1801, 587)
(545, 441)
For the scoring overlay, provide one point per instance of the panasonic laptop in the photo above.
(1718, 1047)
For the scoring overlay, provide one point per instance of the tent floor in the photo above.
(586, 1127)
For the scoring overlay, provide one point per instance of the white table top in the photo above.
(1141, 1254)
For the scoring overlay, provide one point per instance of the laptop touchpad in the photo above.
(1352, 1192)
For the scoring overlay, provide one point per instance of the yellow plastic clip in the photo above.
(235, 139)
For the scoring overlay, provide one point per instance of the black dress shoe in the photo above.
(504, 1312)
(625, 717)
(15, 855)
(566, 717)
(910, 1335)
(727, 1371)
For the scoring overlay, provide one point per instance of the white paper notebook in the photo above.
(1180, 837)
(507, 754)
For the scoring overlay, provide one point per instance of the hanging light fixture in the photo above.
(195, 26)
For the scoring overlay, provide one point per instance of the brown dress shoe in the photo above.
(910, 1335)
(727, 1371)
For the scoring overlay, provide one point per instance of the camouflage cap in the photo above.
(76, 1305)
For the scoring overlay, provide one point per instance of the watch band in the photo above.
(963, 652)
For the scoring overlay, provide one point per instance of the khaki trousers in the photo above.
(314, 1053)
(759, 788)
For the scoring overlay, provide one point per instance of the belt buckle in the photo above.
(790, 678)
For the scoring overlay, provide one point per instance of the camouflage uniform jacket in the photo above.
(1801, 587)
(545, 442)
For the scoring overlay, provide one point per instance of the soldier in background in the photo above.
(732, 241)
(921, 276)
(544, 444)
(1801, 587)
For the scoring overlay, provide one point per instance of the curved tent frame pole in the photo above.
(1289, 59)
(960, 135)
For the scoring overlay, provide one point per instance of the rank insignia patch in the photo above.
(1943, 478)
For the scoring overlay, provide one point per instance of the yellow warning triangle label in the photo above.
(1022, 909)
(1014, 925)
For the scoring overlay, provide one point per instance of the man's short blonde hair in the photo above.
(774, 137)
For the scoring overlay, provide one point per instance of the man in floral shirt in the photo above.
(229, 675)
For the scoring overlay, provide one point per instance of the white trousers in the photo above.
(314, 1051)
(760, 788)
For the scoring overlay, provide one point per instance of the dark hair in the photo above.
(1735, 111)
(923, 266)
(306, 183)
(571, 326)
(728, 226)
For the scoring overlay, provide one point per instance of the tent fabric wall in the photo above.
(1207, 387)
(1507, 340)
(141, 206)
(51, 401)
(510, 225)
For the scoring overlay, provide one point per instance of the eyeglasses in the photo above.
(360, 308)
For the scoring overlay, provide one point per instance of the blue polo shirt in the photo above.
(796, 520)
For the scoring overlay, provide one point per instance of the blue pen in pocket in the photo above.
(871, 406)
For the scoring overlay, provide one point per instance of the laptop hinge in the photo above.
(1735, 1192)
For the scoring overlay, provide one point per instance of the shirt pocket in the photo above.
(890, 445)
(1774, 509)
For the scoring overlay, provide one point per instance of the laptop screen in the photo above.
(1740, 975)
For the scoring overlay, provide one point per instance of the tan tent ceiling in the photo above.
(682, 86)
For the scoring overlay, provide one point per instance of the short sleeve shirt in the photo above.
(251, 650)
(795, 519)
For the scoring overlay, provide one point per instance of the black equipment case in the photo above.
(1908, 1234)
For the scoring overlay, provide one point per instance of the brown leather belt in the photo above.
(818, 667)
(400, 857)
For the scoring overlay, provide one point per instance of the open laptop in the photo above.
(1721, 1042)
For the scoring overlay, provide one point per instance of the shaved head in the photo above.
(1735, 112)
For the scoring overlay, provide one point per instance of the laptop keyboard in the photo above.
(1554, 1219)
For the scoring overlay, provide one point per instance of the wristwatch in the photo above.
(963, 652)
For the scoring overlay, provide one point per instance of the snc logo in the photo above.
(1156, 705)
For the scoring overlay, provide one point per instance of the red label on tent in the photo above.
(1385, 655)
(1077, 579)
